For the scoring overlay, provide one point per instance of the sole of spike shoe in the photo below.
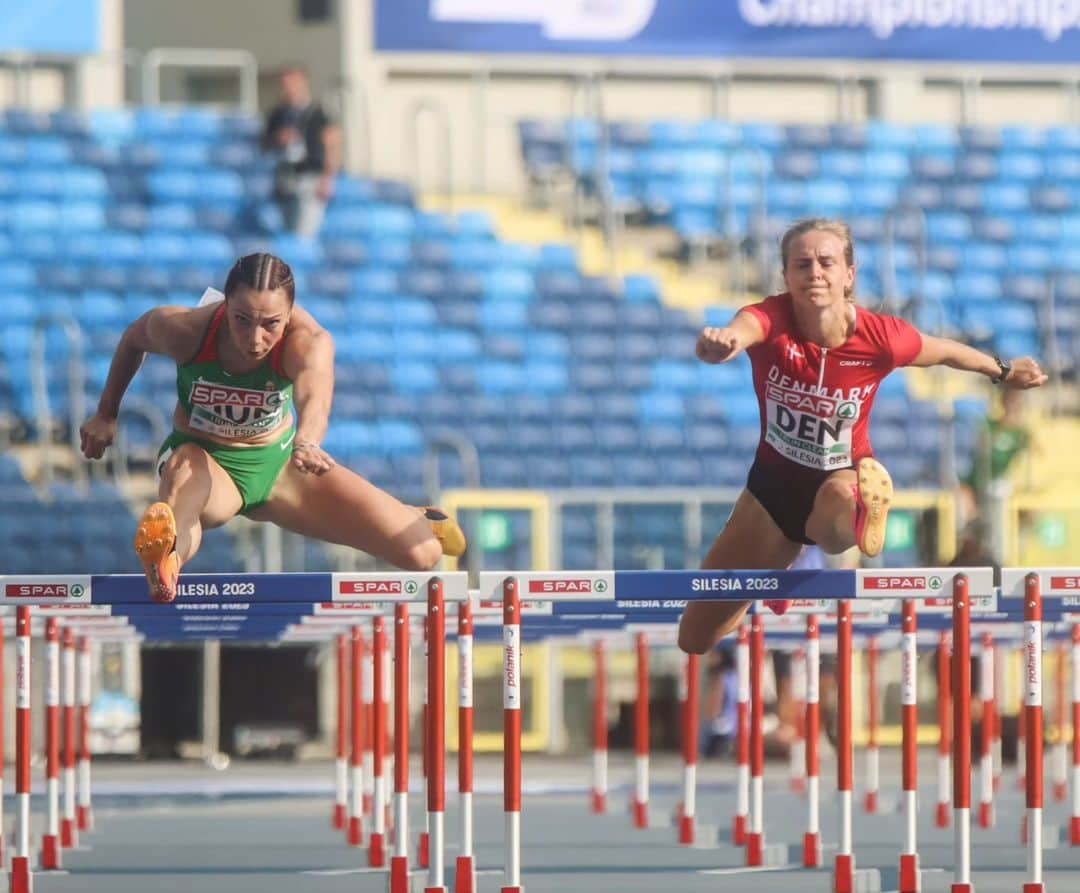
(155, 540)
(873, 496)
(447, 531)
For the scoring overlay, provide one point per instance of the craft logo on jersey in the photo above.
(554, 587)
(43, 590)
(236, 412)
(811, 425)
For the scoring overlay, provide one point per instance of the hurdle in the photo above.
(50, 841)
(873, 755)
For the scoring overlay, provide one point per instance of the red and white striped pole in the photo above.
(687, 830)
(910, 878)
(50, 841)
(423, 845)
(641, 735)
(436, 787)
(21, 880)
(999, 711)
(1074, 824)
(1033, 723)
(944, 715)
(356, 807)
(1021, 732)
(986, 753)
(512, 733)
(755, 839)
(399, 861)
(367, 724)
(844, 866)
(961, 688)
(384, 707)
(69, 835)
(1061, 760)
(465, 873)
(812, 837)
(600, 729)
(797, 754)
(742, 737)
(377, 838)
(85, 812)
(873, 755)
(341, 765)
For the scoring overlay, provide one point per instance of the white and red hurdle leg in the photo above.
(1033, 722)
(986, 753)
(377, 838)
(355, 824)
(339, 819)
(687, 830)
(844, 866)
(50, 841)
(85, 811)
(910, 879)
(512, 733)
(69, 834)
(465, 869)
(812, 838)
(641, 736)
(741, 823)
(423, 844)
(399, 861)
(1061, 754)
(367, 723)
(1021, 731)
(961, 687)
(436, 787)
(755, 839)
(1074, 824)
(797, 754)
(21, 880)
(944, 714)
(873, 755)
(600, 730)
(999, 713)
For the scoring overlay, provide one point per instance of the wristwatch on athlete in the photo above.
(1005, 366)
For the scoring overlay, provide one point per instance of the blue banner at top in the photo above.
(50, 26)
(1031, 31)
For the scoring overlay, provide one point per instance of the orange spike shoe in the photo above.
(447, 531)
(155, 543)
(873, 495)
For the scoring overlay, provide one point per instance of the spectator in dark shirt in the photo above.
(308, 147)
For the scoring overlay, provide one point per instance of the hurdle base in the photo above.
(21, 880)
(1074, 831)
(68, 838)
(641, 814)
(50, 853)
(376, 851)
(811, 850)
(85, 818)
(1034, 888)
(686, 830)
(870, 804)
(599, 803)
(846, 879)
(941, 816)
(738, 831)
(1061, 790)
(465, 875)
(434, 889)
(962, 888)
(986, 815)
(399, 875)
(337, 821)
(910, 876)
(754, 854)
(423, 850)
(355, 836)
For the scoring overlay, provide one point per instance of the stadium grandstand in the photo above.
(540, 208)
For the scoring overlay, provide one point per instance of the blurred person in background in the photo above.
(1004, 439)
(308, 148)
(721, 703)
(817, 360)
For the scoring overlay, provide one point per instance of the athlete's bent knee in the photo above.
(183, 461)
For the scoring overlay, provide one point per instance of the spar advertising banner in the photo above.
(1028, 31)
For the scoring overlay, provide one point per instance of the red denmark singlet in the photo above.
(815, 402)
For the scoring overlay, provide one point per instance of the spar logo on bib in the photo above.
(810, 425)
(230, 411)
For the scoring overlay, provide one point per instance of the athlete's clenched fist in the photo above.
(717, 345)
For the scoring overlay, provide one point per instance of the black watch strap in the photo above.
(1005, 368)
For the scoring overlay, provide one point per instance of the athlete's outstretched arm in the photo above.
(720, 344)
(1025, 372)
(309, 362)
(163, 330)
